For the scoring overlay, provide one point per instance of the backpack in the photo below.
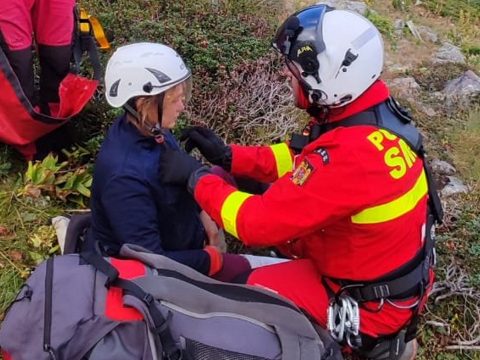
(147, 306)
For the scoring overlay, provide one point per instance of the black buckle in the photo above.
(381, 291)
(298, 142)
(148, 299)
(51, 353)
(176, 355)
(354, 290)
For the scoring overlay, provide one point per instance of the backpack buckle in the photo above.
(148, 299)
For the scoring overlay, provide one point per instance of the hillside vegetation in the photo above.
(239, 92)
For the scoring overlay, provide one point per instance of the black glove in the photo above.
(176, 166)
(209, 144)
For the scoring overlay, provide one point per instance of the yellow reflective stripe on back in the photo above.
(283, 159)
(396, 208)
(230, 208)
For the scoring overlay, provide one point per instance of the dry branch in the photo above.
(464, 333)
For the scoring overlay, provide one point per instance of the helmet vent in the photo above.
(114, 88)
(160, 76)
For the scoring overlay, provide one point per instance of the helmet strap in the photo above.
(319, 113)
(156, 131)
(303, 102)
(130, 107)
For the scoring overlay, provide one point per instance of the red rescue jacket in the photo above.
(355, 199)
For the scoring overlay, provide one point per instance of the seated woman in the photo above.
(130, 204)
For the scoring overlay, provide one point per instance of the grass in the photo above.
(464, 142)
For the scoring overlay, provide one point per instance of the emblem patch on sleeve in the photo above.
(302, 172)
(324, 154)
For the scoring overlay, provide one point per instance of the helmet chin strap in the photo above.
(303, 102)
(157, 131)
(130, 108)
(320, 113)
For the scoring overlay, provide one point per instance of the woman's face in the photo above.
(173, 106)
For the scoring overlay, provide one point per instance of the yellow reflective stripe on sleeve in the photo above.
(396, 208)
(283, 158)
(230, 208)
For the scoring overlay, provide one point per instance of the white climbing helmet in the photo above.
(335, 54)
(142, 69)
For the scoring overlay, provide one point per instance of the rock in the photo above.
(453, 187)
(404, 87)
(398, 68)
(438, 95)
(462, 90)
(449, 53)
(357, 6)
(442, 167)
(398, 26)
(427, 110)
(427, 34)
(413, 29)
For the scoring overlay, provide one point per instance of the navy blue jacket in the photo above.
(131, 205)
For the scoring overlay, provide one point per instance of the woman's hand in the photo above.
(215, 236)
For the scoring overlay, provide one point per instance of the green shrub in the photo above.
(214, 38)
(51, 178)
(383, 24)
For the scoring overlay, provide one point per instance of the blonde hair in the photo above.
(146, 106)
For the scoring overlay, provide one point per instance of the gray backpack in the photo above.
(146, 306)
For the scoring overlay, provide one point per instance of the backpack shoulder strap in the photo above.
(388, 115)
(160, 324)
(47, 315)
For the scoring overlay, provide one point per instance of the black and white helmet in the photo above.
(337, 54)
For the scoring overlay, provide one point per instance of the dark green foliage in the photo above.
(454, 8)
(213, 37)
(433, 77)
(383, 24)
(208, 34)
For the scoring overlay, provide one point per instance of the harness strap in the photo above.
(400, 287)
(390, 116)
(84, 41)
(102, 265)
(161, 329)
(47, 317)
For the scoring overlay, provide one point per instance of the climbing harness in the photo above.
(89, 33)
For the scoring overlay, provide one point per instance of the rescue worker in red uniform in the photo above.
(51, 22)
(348, 200)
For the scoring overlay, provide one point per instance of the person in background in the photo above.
(47, 25)
(349, 200)
(130, 204)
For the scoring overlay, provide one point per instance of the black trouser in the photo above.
(54, 66)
